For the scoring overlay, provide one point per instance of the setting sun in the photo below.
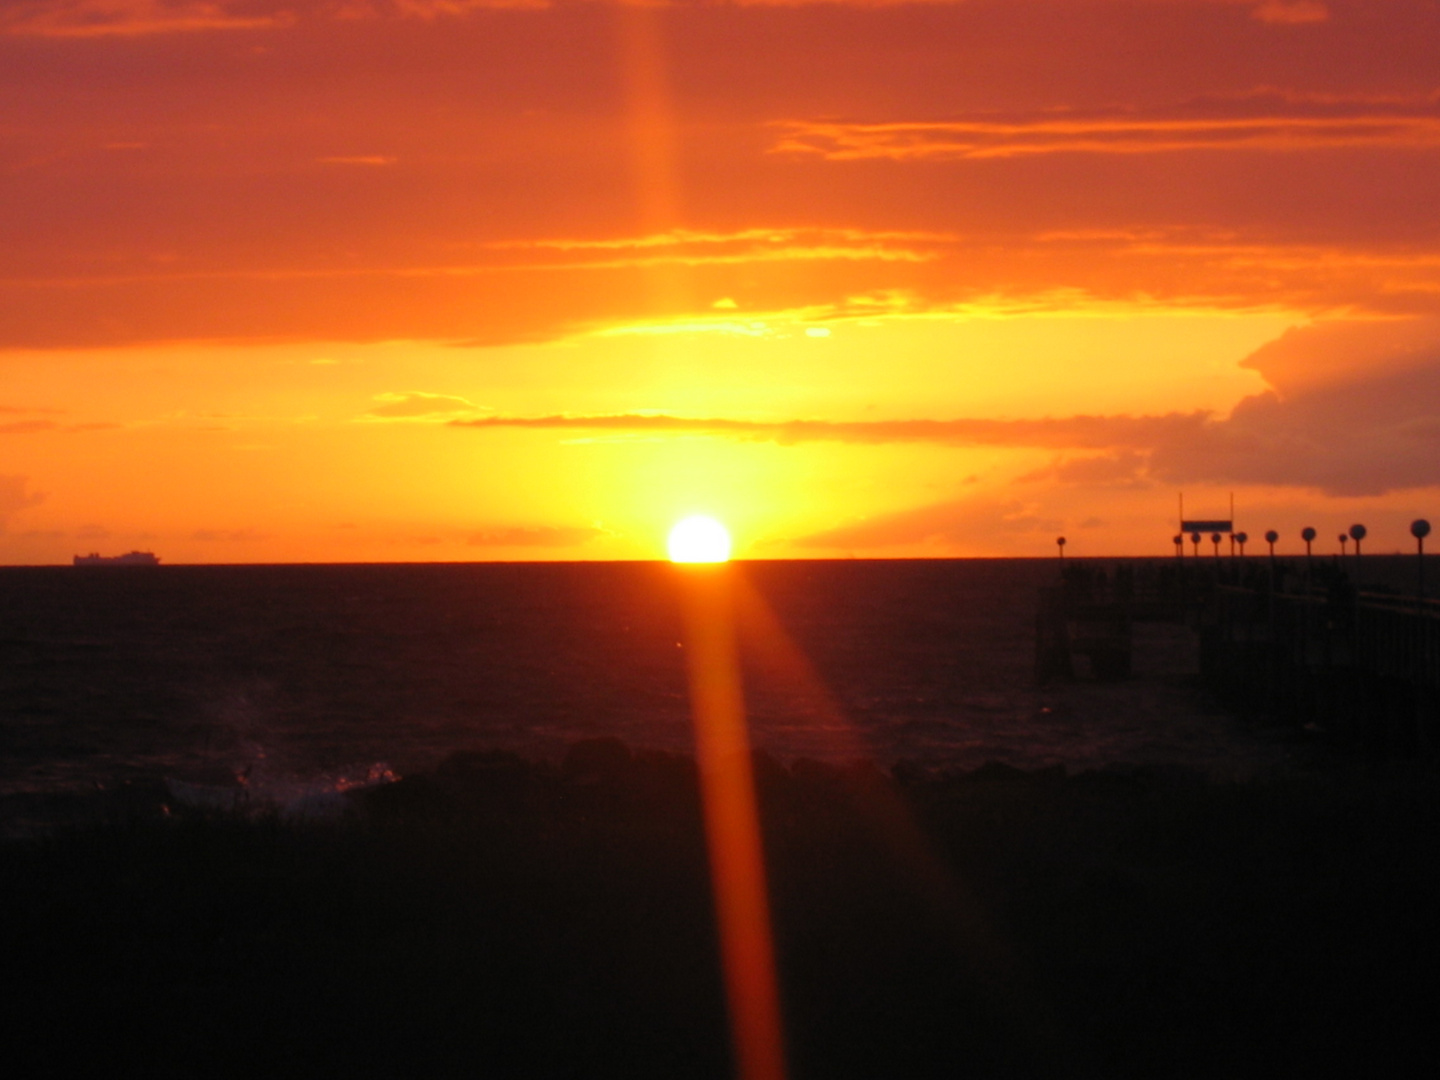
(699, 539)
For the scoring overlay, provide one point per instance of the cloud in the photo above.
(138, 18)
(41, 427)
(359, 159)
(1291, 12)
(1361, 418)
(1327, 354)
(1262, 121)
(1093, 432)
(520, 298)
(543, 536)
(980, 521)
(430, 9)
(503, 212)
(227, 536)
(1353, 410)
(134, 18)
(693, 247)
(15, 496)
(1121, 469)
(1278, 12)
(542, 289)
(420, 405)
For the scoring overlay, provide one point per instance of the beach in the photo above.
(499, 917)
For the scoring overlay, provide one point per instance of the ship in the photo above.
(134, 558)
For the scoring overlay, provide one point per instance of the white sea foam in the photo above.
(324, 797)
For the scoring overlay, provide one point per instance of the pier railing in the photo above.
(1362, 665)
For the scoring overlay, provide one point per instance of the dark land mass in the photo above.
(497, 917)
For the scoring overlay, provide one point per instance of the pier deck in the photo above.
(1364, 666)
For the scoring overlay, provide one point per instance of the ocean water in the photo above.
(332, 675)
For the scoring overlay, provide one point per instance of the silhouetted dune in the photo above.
(500, 917)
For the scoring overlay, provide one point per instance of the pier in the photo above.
(1362, 666)
(1298, 645)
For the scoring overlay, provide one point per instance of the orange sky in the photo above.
(337, 280)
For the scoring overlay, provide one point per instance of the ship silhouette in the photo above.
(133, 558)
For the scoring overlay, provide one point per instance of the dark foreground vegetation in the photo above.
(500, 918)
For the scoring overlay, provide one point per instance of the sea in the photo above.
(308, 678)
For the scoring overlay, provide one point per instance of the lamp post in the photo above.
(1270, 537)
(1357, 533)
(1215, 539)
(1241, 538)
(1420, 528)
(1307, 534)
(1343, 541)
(1195, 543)
(1060, 543)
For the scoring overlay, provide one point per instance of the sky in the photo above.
(412, 280)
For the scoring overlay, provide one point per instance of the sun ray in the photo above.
(732, 823)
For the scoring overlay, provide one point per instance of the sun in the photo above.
(699, 539)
